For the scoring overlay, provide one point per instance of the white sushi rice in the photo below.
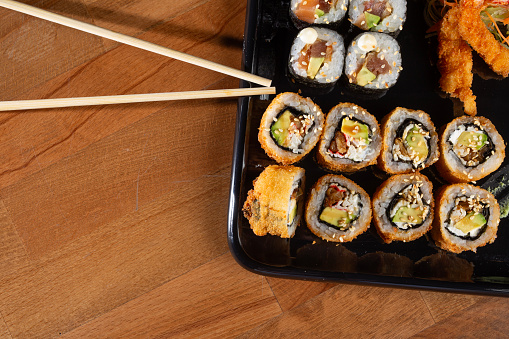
(330, 71)
(392, 23)
(386, 47)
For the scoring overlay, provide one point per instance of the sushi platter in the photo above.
(270, 33)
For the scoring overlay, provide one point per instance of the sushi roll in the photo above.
(410, 141)
(403, 207)
(275, 203)
(470, 149)
(290, 127)
(373, 62)
(321, 12)
(316, 57)
(384, 16)
(337, 209)
(351, 139)
(466, 218)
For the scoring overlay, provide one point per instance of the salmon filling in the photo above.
(374, 12)
(310, 10)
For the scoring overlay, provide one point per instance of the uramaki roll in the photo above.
(466, 218)
(290, 127)
(410, 141)
(351, 139)
(275, 203)
(337, 209)
(470, 149)
(403, 207)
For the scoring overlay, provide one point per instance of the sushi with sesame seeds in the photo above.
(337, 209)
(316, 57)
(410, 141)
(383, 16)
(373, 63)
(470, 149)
(466, 218)
(403, 207)
(351, 139)
(290, 128)
(318, 12)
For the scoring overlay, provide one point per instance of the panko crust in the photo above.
(266, 205)
(438, 231)
(380, 194)
(474, 31)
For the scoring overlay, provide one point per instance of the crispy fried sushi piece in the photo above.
(455, 61)
(384, 16)
(373, 62)
(475, 31)
(403, 207)
(466, 218)
(470, 149)
(351, 139)
(316, 57)
(290, 127)
(318, 12)
(275, 203)
(337, 209)
(410, 141)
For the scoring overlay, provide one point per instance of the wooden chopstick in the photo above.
(131, 98)
(125, 39)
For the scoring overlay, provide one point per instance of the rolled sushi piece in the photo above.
(373, 62)
(317, 57)
(290, 127)
(470, 149)
(275, 204)
(410, 141)
(351, 139)
(337, 209)
(466, 218)
(403, 207)
(318, 12)
(384, 16)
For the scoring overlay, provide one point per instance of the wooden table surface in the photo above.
(113, 218)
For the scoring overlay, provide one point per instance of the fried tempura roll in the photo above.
(466, 218)
(403, 207)
(275, 204)
(337, 209)
(290, 128)
(470, 149)
(410, 141)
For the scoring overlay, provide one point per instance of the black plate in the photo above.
(268, 36)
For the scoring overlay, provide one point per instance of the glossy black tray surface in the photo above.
(268, 36)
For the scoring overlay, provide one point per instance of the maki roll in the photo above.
(337, 209)
(316, 57)
(466, 218)
(470, 149)
(274, 205)
(373, 62)
(325, 12)
(351, 139)
(410, 141)
(290, 127)
(384, 16)
(403, 207)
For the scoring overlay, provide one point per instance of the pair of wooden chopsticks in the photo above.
(125, 39)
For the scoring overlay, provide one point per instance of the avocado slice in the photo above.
(471, 222)
(466, 139)
(417, 143)
(314, 66)
(408, 215)
(371, 19)
(282, 123)
(293, 212)
(355, 129)
(335, 217)
(364, 76)
(319, 12)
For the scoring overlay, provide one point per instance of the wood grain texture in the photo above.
(207, 302)
(442, 305)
